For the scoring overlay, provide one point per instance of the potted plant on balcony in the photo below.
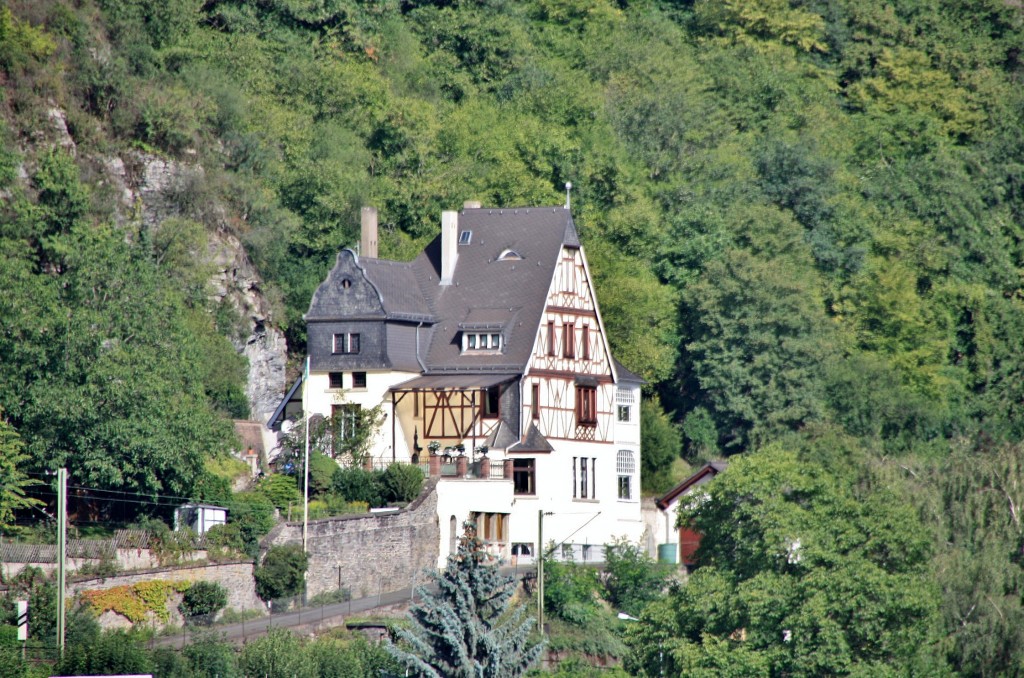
(481, 450)
(461, 449)
(434, 447)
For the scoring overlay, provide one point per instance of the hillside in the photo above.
(805, 220)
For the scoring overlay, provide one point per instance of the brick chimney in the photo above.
(368, 232)
(449, 245)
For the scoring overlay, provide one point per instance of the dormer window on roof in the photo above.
(465, 237)
(509, 255)
(481, 341)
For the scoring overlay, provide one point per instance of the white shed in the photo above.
(199, 517)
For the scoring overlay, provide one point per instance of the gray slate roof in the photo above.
(486, 294)
(487, 291)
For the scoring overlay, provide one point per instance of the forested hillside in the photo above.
(805, 218)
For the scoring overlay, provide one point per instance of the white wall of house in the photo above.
(458, 498)
(596, 518)
(321, 397)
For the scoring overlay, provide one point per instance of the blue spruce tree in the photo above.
(469, 627)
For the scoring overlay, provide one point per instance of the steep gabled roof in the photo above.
(369, 288)
(505, 294)
(703, 474)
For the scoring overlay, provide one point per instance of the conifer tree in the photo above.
(469, 627)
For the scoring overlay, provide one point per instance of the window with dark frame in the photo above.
(569, 341)
(336, 379)
(574, 477)
(359, 380)
(585, 341)
(492, 402)
(583, 477)
(551, 338)
(624, 413)
(586, 405)
(535, 401)
(524, 477)
(346, 343)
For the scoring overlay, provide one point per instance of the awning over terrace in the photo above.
(429, 382)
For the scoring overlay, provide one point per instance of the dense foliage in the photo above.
(803, 218)
(814, 579)
(281, 573)
(201, 601)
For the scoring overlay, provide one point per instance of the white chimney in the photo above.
(449, 245)
(368, 232)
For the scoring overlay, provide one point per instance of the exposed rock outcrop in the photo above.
(153, 189)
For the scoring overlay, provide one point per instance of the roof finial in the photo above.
(568, 187)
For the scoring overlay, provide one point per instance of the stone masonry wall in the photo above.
(369, 552)
(236, 578)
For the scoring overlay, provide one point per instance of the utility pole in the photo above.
(305, 463)
(540, 571)
(62, 549)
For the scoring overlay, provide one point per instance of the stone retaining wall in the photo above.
(236, 578)
(368, 553)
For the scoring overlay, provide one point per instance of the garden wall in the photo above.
(371, 552)
(236, 578)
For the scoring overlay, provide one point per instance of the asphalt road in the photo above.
(239, 632)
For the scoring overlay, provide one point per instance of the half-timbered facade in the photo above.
(489, 347)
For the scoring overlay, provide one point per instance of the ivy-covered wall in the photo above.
(236, 578)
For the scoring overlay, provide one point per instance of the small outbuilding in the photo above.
(680, 544)
(199, 517)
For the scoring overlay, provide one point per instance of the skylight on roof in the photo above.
(465, 237)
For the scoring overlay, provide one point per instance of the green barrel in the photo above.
(667, 553)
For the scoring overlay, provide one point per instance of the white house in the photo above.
(492, 337)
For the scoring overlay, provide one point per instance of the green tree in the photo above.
(202, 601)
(110, 653)
(632, 578)
(660, 446)
(210, 656)
(402, 482)
(797, 576)
(469, 626)
(13, 479)
(282, 572)
(279, 654)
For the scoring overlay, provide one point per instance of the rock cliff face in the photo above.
(152, 188)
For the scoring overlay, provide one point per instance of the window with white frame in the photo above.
(625, 466)
(346, 343)
(481, 341)
(624, 400)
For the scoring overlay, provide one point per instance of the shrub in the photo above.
(356, 484)
(253, 513)
(281, 572)
(279, 654)
(321, 473)
(281, 490)
(202, 601)
(110, 653)
(402, 482)
(570, 591)
(331, 597)
(633, 579)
